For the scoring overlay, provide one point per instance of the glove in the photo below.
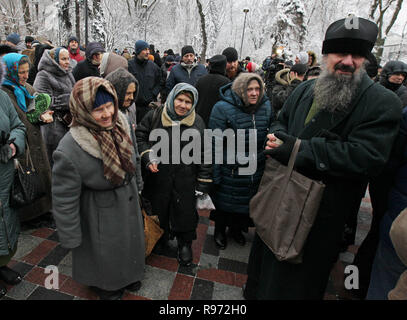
(4, 138)
(5, 153)
(282, 153)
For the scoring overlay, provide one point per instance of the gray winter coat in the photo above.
(102, 224)
(9, 123)
(39, 157)
(58, 83)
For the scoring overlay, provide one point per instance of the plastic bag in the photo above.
(204, 202)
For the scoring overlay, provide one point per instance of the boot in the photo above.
(184, 253)
(9, 276)
(238, 236)
(3, 290)
(220, 237)
(133, 287)
(108, 295)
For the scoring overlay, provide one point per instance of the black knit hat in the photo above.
(187, 49)
(29, 39)
(72, 38)
(230, 54)
(299, 68)
(352, 35)
(217, 64)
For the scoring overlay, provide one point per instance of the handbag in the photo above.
(27, 186)
(285, 207)
(152, 229)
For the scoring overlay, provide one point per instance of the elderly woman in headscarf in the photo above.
(55, 78)
(12, 135)
(32, 109)
(127, 88)
(95, 193)
(242, 106)
(171, 183)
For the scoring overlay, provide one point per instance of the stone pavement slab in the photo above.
(215, 274)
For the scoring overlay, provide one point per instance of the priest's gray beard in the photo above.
(335, 92)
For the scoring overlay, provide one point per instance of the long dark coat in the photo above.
(172, 189)
(11, 124)
(39, 157)
(208, 91)
(85, 69)
(343, 150)
(58, 83)
(101, 223)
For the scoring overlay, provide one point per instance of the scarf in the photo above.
(11, 61)
(115, 144)
(169, 104)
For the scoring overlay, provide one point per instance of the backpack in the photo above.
(266, 64)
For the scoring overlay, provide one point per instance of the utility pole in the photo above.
(86, 23)
(244, 27)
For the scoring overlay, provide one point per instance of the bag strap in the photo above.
(28, 159)
(293, 156)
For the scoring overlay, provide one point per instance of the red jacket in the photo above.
(78, 55)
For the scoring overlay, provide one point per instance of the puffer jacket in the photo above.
(234, 191)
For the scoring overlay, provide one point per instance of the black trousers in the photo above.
(379, 189)
(235, 221)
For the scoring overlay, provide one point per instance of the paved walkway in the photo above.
(215, 274)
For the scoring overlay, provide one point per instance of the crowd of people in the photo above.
(87, 119)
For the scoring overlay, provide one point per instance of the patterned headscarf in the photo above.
(12, 62)
(115, 144)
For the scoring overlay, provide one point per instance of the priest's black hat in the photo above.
(353, 35)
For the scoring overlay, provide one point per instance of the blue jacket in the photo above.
(179, 74)
(235, 191)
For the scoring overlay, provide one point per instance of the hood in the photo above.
(49, 64)
(390, 68)
(169, 105)
(121, 79)
(241, 83)
(283, 77)
(230, 96)
(314, 58)
(92, 48)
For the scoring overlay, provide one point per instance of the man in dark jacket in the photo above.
(208, 86)
(233, 68)
(157, 58)
(90, 66)
(148, 75)
(188, 71)
(347, 125)
(393, 75)
(284, 87)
